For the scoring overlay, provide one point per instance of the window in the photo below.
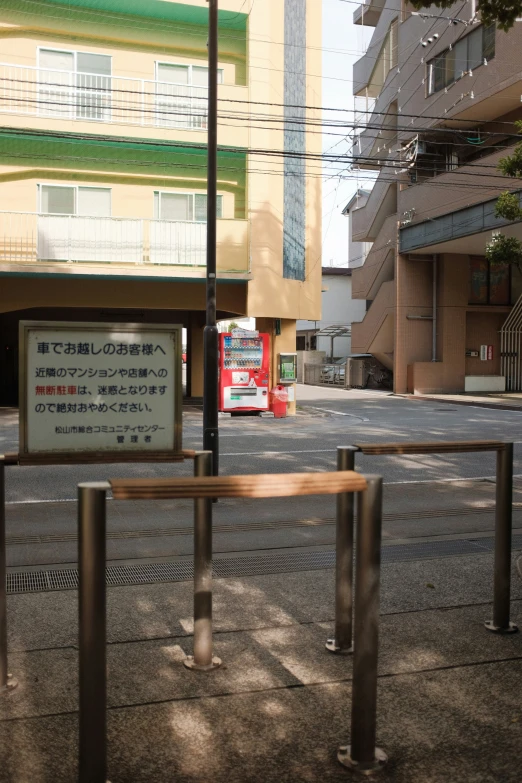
(468, 53)
(74, 84)
(184, 74)
(183, 206)
(489, 284)
(182, 95)
(72, 200)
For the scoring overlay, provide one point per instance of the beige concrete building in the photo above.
(441, 92)
(103, 166)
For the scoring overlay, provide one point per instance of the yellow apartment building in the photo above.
(103, 117)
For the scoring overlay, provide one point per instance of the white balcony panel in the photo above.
(178, 243)
(46, 92)
(75, 238)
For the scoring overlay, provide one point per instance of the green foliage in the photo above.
(508, 206)
(233, 325)
(504, 250)
(502, 12)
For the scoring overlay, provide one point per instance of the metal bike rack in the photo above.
(7, 681)
(342, 641)
(203, 489)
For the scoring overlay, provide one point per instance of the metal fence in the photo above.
(325, 374)
(29, 237)
(46, 92)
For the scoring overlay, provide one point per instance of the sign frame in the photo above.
(100, 455)
(293, 356)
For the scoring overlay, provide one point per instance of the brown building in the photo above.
(441, 93)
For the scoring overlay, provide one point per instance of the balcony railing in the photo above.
(30, 238)
(44, 92)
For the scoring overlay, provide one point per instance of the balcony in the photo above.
(60, 240)
(53, 95)
(369, 12)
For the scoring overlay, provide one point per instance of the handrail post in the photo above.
(342, 639)
(7, 682)
(362, 755)
(202, 660)
(92, 632)
(503, 525)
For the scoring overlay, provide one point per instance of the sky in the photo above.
(347, 39)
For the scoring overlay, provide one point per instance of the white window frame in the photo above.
(73, 86)
(76, 188)
(74, 53)
(192, 193)
(190, 66)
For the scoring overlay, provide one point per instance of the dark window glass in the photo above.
(489, 283)
(466, 54)
(478, 280)
(488, 42)
(499, 284)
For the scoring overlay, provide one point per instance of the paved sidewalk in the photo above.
(508, 401)
(449, 692)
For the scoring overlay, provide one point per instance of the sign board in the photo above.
(486, 353)
(288, 367)
(99, 387)
(490, 352)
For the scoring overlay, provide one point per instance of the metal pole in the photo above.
(434, 323)
(361, 754)
(342, 640)
(202, 659)
(210, 336)
(92, 627)
(7, 682)
(503, 523)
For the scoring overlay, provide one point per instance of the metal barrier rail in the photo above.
(362, 753)
(7, 682)
(342, 640)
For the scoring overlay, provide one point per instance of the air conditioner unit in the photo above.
(357, 373)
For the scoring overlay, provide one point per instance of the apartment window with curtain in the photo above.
(464, 56)
(190, 207)
(74, 84)
(182, 95)
(73, 200)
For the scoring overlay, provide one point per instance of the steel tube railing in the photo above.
(503, 510)
(342, 639)
(202, 660)
(362, 755)
(7, 682)
(503, 529)
(92, 632)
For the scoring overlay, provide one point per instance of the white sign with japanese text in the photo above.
(100, 387)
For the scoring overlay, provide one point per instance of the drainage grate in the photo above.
(251, 565)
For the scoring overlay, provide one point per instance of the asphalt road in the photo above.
(326, 418)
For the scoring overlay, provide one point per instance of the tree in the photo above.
(501, 12)
(503, 249)
(233, 325)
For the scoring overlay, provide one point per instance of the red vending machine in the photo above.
(244, 363)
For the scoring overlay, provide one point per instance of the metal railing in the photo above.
(202, 489)
(28, 237)
(342, 639)
(46, 92)
(325, 374)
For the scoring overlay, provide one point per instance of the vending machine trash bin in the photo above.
(278, 401)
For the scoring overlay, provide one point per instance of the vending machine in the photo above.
(244, 363)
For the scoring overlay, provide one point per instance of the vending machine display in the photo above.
(243, 371)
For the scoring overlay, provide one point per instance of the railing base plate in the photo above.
(511, 628)
(367, 768)
(189, 663)
(10, 686)
(332, 646)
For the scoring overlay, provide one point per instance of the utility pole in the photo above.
(210, 337)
